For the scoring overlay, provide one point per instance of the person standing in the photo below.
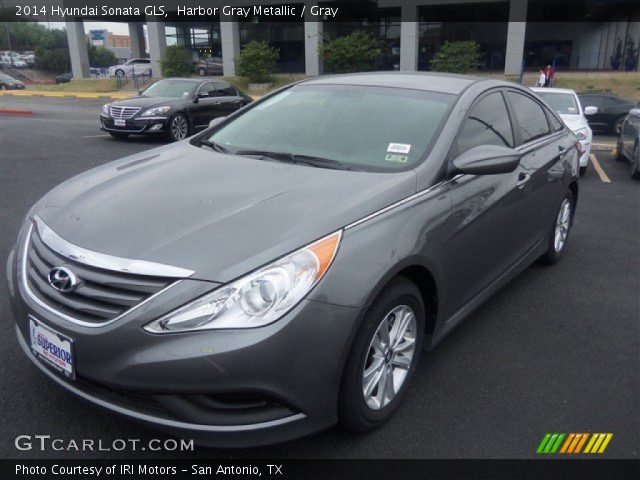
(542, 78)
(549, 73)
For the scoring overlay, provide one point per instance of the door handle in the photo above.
(523, 178)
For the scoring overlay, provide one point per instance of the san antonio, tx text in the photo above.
(144, 469)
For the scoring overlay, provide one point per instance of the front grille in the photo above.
(99, 296)
(124, 112)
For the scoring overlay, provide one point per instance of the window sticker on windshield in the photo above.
(399, 148)
(572, 109)
(394, 157)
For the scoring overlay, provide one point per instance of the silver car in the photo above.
(282, 271)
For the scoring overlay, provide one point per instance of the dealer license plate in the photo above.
(53, 348)
(119, 122)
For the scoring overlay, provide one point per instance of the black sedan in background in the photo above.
(611, 113)
(64, 78)
(176, 107)
(7, 82)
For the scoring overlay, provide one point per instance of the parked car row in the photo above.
(176, 108)
(17, 60)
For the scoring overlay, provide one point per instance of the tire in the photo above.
(178, 127)
(617, 125)
(3, 87)
(635, 162)
(556, 248)
(583, 170)
(118, 135)
(202, 71)
(359, 414)
(120, 73)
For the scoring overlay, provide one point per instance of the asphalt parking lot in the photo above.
(555, 351)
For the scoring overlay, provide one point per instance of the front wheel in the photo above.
(583, 170)
(202, 71)
(559, 234)
(178, 127)
(383, 357)
(120, 73)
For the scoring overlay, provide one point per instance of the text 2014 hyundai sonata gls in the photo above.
(281, 272)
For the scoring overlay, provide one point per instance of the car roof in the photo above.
(427, 81)
(553, 90)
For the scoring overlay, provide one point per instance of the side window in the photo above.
(531, 117)
(590, 101)
(226, 89)
(556, 125)
(208, 88)
(487, 124)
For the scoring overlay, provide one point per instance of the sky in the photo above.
(113, 27)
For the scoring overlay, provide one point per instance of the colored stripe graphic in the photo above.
(574, 443)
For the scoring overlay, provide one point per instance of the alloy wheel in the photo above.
(562, 225)
(389, 357)
(179, 127)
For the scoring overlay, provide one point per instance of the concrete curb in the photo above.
(38, 93)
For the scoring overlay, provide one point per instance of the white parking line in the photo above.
(601, 173)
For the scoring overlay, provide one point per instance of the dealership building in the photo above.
(511, 34)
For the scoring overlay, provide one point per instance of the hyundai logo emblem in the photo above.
(62, 279)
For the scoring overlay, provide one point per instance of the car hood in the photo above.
(145, 102)
(219, 215)
(574, 122)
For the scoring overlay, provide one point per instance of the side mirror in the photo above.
(140, 91)
(590, 110)
(487, 160)
(202, 95)
(216, 121)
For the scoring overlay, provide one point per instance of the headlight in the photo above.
(155, 111)
(257, 299)
(105, 108)
(582, 134)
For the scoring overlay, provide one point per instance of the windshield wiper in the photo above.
(215, 146)
(297, 159)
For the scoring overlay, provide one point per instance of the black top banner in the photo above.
(312, 10)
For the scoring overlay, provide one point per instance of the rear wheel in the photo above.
(583, 170)
(118, 135)
(559, 234)
(202, 71)
(383, 357)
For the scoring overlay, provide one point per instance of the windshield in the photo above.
(370, 128)
(563, 103)
(170, 88)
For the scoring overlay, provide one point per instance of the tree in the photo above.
(356, 52)
(101, 57)
(23, 35)
(52, 52)
(257, 61)
(456, 57)
(177, 61)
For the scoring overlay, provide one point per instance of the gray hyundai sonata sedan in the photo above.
(281, 271)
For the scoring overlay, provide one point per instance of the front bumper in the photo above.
(182, 383)
(136, 125)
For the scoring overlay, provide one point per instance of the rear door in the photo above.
(207, 107)
(228, 97)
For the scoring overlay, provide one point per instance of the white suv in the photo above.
(135, 66)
